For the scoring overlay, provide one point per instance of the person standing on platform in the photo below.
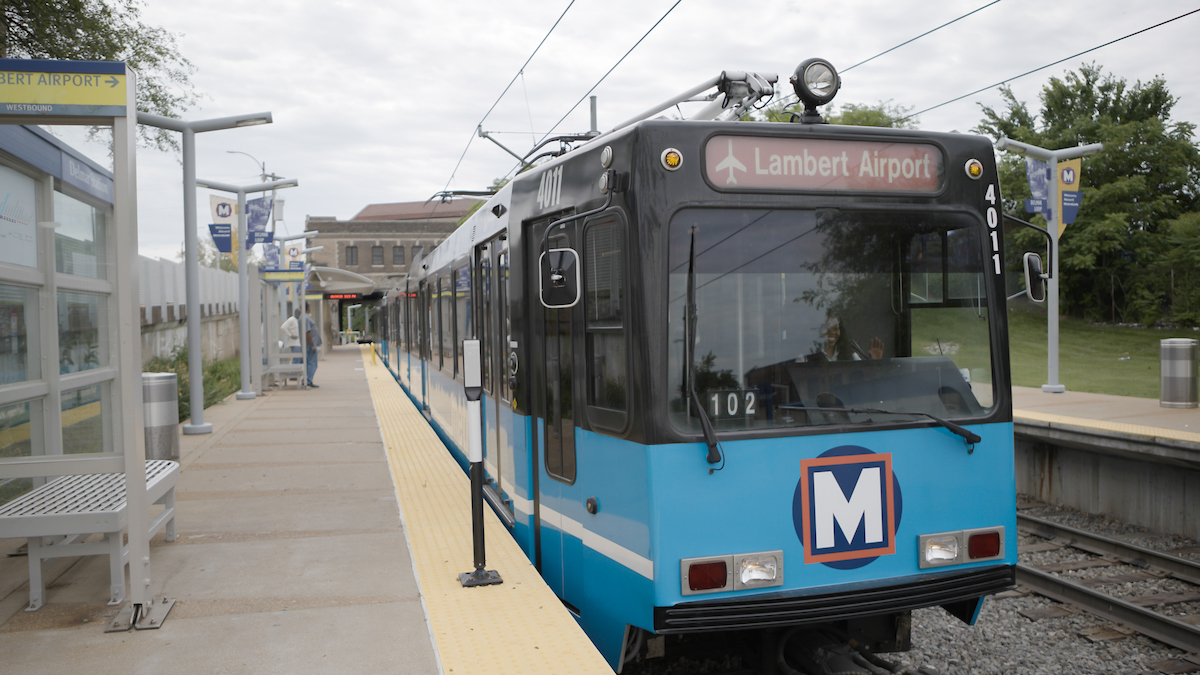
(290, 330)
(313, 338)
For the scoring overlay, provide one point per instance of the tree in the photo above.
(104, 30)
(882, 114)
(1113, 258)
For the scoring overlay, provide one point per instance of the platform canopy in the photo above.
(333, 280)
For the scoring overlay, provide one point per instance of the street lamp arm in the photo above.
(1045, 155)
(260, 187)
(199, 126)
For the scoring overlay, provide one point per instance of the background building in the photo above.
(381, 241)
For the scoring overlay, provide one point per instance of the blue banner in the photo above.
(258, 213)
(1072, 199)
(259, 237)
(271, 255)
(1039, 176)
(222, 236)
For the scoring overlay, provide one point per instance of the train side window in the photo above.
(605, 298)
(462, 314)
(446, 303)
(505, 330)
(483, 291)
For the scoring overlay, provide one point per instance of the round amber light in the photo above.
(671, 159)
(974, 168)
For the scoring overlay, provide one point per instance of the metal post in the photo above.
(1051, 157)
(243, 249)
(191, 272)
(473, 388)
(1053, 386)
(191, 247)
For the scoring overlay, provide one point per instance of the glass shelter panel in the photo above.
(18, 218)
(79, 238)
(18, 316)
(84, 415)
(82, 331)
(801, 310)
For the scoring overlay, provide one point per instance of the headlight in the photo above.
(758, 570)
(939, 549)
(816, 82)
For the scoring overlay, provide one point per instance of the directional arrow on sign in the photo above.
(112, 82)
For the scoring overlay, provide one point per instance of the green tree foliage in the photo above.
(104, 30)
(882, 114)
(1127, 246)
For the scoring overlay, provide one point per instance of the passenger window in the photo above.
(604, 270)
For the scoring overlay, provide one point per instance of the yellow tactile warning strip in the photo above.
(1101, 425)
(518, 626)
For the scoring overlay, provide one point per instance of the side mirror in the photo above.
(1035, 281)
(560, 281)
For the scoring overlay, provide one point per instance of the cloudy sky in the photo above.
(376, 102)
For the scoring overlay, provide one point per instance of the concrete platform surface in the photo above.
(291, 557)
(1133, 415)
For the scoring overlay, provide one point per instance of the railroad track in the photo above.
(1133, 612)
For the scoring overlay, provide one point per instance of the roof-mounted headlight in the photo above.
(816, 82)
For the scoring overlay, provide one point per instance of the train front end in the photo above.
(831, 441)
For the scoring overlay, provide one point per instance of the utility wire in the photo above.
(610, 70)
(520, 72)
(920, 36)
(1048, 65)
(786, 101)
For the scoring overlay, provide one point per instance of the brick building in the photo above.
(381, 240)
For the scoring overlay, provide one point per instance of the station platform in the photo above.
(1122, 414)
(315, 536)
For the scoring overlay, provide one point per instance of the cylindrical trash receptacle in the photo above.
(160, 407)
(1179, 384)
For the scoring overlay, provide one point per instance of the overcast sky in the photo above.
(376, 102)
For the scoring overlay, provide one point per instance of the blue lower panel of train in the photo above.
(787, 531)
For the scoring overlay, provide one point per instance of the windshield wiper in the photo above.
(710, 436)
(970, 438)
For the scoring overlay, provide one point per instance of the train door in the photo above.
(554, 327)
(490, 259)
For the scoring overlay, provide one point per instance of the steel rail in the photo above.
(1165, 629)
(1140, 556)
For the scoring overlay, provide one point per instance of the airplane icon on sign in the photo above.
(730, 163)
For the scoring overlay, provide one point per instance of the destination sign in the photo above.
(93, 88)
(803, 164)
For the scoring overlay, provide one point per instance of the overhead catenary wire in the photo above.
(605, 76)
(520, 72)
(1050, 65)
(786, 101)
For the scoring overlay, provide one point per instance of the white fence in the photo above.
(161, 285)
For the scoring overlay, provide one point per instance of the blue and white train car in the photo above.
(738, 375)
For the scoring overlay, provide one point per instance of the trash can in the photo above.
(1179, 359)
(160, 407)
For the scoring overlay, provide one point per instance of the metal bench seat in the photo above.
(58, 516)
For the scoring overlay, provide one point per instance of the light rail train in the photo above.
(737, 375)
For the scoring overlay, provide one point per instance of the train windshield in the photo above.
(799, 310)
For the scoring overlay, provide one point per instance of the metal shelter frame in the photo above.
(85, 93)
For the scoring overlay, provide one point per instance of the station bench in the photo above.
(56, 518)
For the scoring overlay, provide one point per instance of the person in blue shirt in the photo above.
(312, 338)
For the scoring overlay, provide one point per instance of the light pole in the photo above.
(244, 247)
(191, 257)
(262, 166)
(1051, 157)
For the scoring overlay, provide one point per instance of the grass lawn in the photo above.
(1089, 357)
